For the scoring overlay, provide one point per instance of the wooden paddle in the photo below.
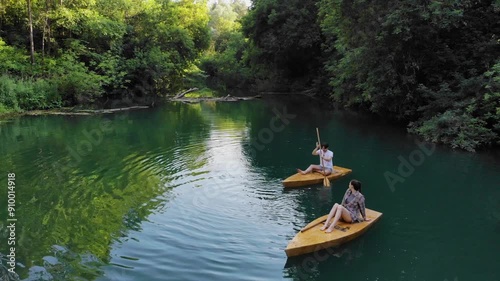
(326, 181)
(312, 225)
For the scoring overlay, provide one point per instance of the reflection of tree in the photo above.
(85, 203)
(5, 274)
(232, 114)
(83, 212)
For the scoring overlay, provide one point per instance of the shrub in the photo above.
(75, 82)
(455, 129)
(28, 94)
(8, 97)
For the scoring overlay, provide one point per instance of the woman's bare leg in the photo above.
(341, 212)
(330, 216)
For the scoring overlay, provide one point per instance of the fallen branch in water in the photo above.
(82, 111)
(182, 94)
(226, 98)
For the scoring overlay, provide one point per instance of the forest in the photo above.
(433, 66)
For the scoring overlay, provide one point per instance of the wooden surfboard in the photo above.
(299, 180)
(311, 238)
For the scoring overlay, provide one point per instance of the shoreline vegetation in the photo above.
(68, 111)
(433, 66)
(73, 111)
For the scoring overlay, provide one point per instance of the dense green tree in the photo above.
(416, 61)
(224, 62)
(431, 65)
(90, 49)
(286, 40)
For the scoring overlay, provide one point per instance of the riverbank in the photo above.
(68, 111)
(118, 105)
(111, 106)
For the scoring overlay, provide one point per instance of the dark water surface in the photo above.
(193, 192)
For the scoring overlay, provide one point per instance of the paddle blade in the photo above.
(326, 182)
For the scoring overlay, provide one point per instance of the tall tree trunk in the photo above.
(46, 30)
(43, 39)
(30, 23)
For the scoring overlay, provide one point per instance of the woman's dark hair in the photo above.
(325, 145)
(356, 184)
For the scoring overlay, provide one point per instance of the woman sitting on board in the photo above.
(353, 204)
(326, 161)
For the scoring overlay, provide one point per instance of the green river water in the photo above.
(193, 192)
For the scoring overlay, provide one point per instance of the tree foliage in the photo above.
(225, 62)
(433, 65)
(286, 41)
(91, 49)
(419, 61)
(430, 64)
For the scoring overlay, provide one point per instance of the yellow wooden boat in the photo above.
(298, 179)
(311, 238)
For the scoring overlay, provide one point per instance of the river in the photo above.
(193, 192)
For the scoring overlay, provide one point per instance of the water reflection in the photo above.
(167, 189)
(85, 199)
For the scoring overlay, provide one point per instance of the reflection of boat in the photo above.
(311, 238)
(298, 179)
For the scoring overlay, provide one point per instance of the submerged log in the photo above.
(227, 98)
(182, 94)
(81, 111)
